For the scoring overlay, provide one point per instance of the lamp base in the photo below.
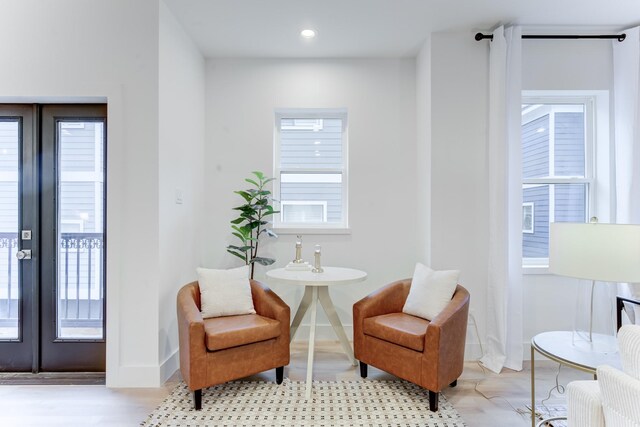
(599, 343)
(595, 313)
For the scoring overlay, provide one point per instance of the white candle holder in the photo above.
(298, 259)
(317, 268)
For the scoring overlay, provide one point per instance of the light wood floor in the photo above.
(53, 406)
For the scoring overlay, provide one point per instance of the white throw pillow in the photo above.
(225, 292)
(430, 291)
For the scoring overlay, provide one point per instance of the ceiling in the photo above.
(376, 28)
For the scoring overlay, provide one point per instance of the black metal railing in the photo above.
(80, 287)
(80, 300)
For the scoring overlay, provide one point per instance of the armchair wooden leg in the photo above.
(454, 383)
(363, 369)
(279, 374)
(197, 399)
(433, 401)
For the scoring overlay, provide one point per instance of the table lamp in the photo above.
(597, 252)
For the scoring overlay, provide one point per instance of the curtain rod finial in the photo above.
(479, 36)
(621, 37)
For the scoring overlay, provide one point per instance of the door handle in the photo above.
(24, 254)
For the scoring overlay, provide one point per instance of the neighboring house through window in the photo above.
(310, 164)
(558, 177)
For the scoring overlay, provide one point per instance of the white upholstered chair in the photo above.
(614, 399)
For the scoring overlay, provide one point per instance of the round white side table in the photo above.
(316, 288)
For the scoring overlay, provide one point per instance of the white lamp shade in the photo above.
(603, 252)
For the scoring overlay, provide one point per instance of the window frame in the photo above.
(533, 217)
(312, 228)
(557, 99)
(321, 203)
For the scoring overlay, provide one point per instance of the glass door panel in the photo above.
(80, 225)
(9, 214)
(72, 295)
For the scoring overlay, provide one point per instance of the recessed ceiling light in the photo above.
(308, 34)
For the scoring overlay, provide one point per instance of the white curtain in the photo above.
(626, 94)
(504, 291)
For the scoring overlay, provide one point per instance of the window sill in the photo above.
(311, 230)
(535, 269)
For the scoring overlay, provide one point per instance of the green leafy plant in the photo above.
(253, 221)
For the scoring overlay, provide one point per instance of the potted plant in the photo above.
(253, 221)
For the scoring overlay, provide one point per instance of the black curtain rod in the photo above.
(619, 37)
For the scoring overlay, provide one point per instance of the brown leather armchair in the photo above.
(429, 354)
(216, 350)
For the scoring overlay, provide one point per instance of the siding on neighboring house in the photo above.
(78, 197)
(298, 148)
(569, 199)
(570, 202)
(77, 211)
(8, 176)
(8, 206)
(8, 146)
(535, 148)
(78, 151)
(536, 244)
(569, 144)
(313, 149)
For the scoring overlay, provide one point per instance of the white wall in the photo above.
(423, 151)
(181, 145)
(380, 97)
(459, 192)
(567, 64)
(459, 175)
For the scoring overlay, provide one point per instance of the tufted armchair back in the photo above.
(621, 390)
(614, 399)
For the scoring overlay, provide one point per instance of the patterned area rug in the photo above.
(333, 403)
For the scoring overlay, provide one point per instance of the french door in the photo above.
(52, 237)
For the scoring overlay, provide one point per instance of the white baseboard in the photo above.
(144, 375)
(135, 376)
(170, 365)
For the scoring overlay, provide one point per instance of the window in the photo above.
(557, 168)
(528, 219)
(311, 170)
(302, 211)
